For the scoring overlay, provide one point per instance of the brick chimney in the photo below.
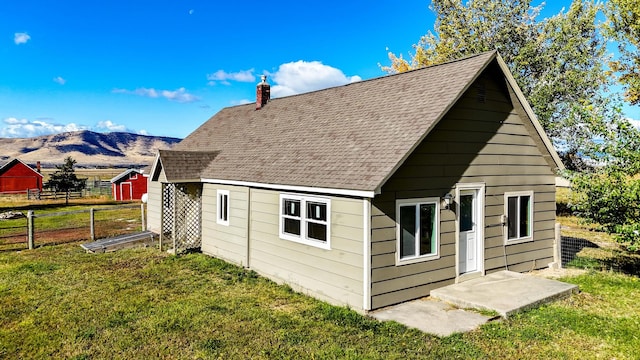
(38, 166)
(263, 93)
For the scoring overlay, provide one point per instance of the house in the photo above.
(129, 185)
(372, 193)
(17, 177)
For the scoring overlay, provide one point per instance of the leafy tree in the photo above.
(65, 180)
(608, 194)
(624, 27)
(558, 62)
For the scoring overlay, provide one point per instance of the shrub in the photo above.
(612, 200)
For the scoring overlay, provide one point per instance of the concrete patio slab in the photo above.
(431, 316)
(505, 292)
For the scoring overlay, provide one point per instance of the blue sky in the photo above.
(164, 67)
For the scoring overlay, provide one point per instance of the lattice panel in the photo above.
(168, 201)
(187, 215)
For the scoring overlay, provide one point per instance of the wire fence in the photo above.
(38, 228)
(570, 247)
(581, 253)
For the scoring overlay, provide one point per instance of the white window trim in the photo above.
(303, 239)
(518, 240)
(418, 258)
(219, 215)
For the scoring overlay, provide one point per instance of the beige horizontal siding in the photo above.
(154, 206)
(226, 242)
(334, 275)
(475, 143)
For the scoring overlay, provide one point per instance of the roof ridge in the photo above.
(377, 78)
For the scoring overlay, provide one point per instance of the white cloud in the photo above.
(110, 126)
(224, 77)
(23, 128)
(190, 11)
(13, 121)
(179, 95)
(304, 76)
(59, 80)
(13, 127)
(634, 122)
(21, 38)
(241, 102)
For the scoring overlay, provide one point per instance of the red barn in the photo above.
(129, 185)
(17, 177)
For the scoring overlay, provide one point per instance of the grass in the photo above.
(59, 302)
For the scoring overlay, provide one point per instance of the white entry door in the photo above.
(469, 213)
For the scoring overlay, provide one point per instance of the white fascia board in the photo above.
(330, 191)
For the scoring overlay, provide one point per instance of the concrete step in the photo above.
(139, 239)
(505, 292)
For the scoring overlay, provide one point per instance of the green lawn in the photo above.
(58, 302)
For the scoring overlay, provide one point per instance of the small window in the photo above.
(305, 220)
(417, 229)
(519, 211)
(223, 207)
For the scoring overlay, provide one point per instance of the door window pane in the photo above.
(466, 212)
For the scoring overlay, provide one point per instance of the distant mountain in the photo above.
(88, 148)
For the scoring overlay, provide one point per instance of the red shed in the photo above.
(18, 177)
(129, 185)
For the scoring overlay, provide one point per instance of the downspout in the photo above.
(248, 228)
(366, 254)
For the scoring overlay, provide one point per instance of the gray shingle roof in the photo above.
(185, 165)
(348, 137)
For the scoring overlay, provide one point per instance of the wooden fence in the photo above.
(31, 216)
(50, 194)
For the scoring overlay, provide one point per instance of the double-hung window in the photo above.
(417, 229)
(223, 207)
(519, 212)
(305, 220)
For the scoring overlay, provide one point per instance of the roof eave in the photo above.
(294, 188)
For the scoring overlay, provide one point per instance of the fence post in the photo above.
(30, 229)
(91, 220)
(144, 225)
